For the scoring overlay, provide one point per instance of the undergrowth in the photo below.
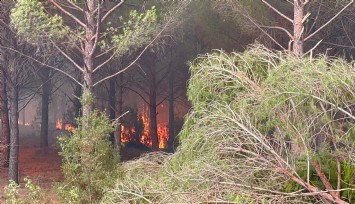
(260, 119)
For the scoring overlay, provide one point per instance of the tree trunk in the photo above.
(112, 106)
(153, 116)
(46, 91)
(5, 126)
(87, 93)
(119, 110)
(23, 116)
(298, 27)
(77, 104)
(171, 111)
(89, 50)
(14, 134)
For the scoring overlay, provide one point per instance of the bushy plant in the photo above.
(90, 163)
(11, 193)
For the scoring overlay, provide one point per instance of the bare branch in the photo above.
(111, 10)
(338, 45)
(44, 64)
(75, 6)
(104, 63)
(104, 53)
(277, 11)
(68, 13)
(315, 32)
(33, 95)
(67, 56)
(137, 58)
(279, 28)
(262, 30)
(347, 35)
(315, 20)
(323, 178)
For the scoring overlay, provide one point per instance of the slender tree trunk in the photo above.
(88, 93)
(153, 116)
(77, 104)
(23, 116)
(14, 134)
(112, 106)
(89, 44)
(298, 27)
(119, 110)
(45, 107)
(171, 111)
(5, 126)
(4, 111)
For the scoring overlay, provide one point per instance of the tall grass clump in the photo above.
(265, 127)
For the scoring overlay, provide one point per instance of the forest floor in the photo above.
(42, 165)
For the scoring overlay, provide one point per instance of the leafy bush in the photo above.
(90, 163)
(265, 126)
(11, 193)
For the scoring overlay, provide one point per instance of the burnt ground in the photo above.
(42, 165)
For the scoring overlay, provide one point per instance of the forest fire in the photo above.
(22, 124)
(143, 135)
(59, 126)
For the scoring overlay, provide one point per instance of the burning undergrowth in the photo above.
(135, 129)
(252, 131)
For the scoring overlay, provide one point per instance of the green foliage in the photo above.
(31, 21)
(87, 98)
(11, 193)
(137, 31)
(90, 163)
(255, 115)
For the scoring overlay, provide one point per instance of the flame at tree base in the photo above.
(129, 134)
(21, 124)
(67, 127)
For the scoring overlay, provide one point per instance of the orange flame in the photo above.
(59, 124)
(69, 127)
(21, 123)
(145, 137)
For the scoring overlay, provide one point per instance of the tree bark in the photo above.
(14, 134)
(87, 92)
(46, 91)
(171, 111)
(5, 126)
(324, 179)
(89, 47)
(77, 104)
(112, 105)
(298, 27)
(23, 116)
(119, 110)
(153, 128)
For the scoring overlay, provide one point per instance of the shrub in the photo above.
(11, 193)
(90, 163)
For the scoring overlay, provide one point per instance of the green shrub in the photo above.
(11, 193)
(90, 163)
